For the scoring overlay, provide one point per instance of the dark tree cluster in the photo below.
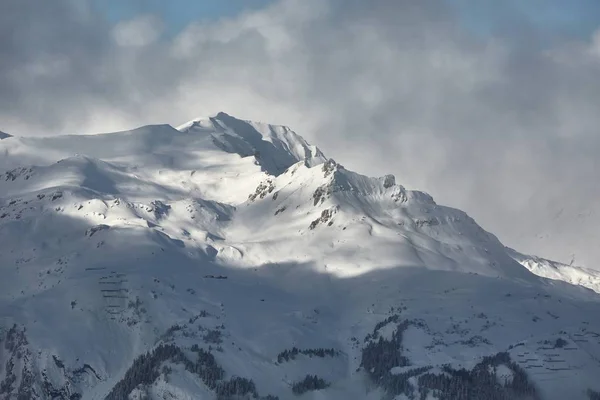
(211, 373)
(236, 387)
(479, 383)
(145, 370)
(309, 383)
(389, 320)
(560, 343)
(206, 367)
(474, 341)
(397, 384)
(288, 355)
(379, 357)
(213, 336)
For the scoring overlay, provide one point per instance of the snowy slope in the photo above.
(275, 147)
(241, 260)
(559, 271)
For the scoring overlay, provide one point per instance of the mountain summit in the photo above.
(231, 259)
(275, 147)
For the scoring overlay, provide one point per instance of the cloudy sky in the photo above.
(492, 106)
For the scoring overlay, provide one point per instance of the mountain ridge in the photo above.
(179, 262)
(281, 146)
(573, 274)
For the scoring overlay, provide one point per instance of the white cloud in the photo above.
(138, 32)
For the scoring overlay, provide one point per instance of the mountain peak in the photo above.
(232, 259)
(275, 147)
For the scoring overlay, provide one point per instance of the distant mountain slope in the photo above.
(4, 135)
(228, 259)
(559, 271)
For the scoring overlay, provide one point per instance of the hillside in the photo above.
(558, 271)
(230, 259)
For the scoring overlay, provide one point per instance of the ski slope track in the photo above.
(227, 259)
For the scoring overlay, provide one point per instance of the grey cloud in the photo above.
(504, 128)
(50, 54)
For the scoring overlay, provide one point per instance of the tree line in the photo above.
(145, 370)
(288, 355)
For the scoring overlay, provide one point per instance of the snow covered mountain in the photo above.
(559, 271)
(230, 259)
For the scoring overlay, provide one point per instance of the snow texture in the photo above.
(232, 259)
